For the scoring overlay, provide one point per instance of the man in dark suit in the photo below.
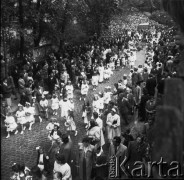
(66, 150)
(117, 148)
(43, 160)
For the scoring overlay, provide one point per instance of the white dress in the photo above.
(69, 91)
(101, 72)
(65, 107)
(107, 97)
(11, 124)
(84, 89)
(55, 103)
(29, 112)
(95, 80)
(106, 74)
(44, 103)
(101, 103)
(21, 117)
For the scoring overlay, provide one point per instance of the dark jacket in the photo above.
(58, 133)
(66, 150)
(45, 162)
(150, 86)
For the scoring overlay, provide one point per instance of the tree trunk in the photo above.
(21, 31)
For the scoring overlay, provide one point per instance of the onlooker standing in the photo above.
(117, 149)
(86, 159)
(7, 89)
(42, 160)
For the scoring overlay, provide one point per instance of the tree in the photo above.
(99, 12)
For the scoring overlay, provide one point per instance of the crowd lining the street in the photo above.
(46, 92)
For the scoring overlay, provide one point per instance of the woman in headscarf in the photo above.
(113, 125)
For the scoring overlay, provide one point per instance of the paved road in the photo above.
(22, 148)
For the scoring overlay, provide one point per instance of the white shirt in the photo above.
(64, 169)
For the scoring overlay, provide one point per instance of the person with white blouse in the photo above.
(61, 166)
(113, 125)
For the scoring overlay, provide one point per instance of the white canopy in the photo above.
(144, 24)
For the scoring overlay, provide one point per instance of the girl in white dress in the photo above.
(101, 103)
(85, 112)
(112, 63)
(29, 112)
(55, 104)
(69, 90)
(95, 78)
(20, 114)
(50, 126)
(64, 105)
(101, 72)
(84, 90)
(106, 74)
(44, 107)
(132, 60)
(95, 104)
(107, 96)
(110, 72)
(70, 124)
(35, 105)
(71, 105)
(10, 124)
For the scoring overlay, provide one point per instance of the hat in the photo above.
(113, 109)
(65, 98)
(56, 124)
(45, 92)
(108, 87)
(53, 119)
(28, 103)
(125, 75)
(135, 69)
(20, 105)
(33, 97)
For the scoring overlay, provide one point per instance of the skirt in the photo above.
(12, 127)
(22, 120)
(30, 118)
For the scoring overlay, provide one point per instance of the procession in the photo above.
(94, 101)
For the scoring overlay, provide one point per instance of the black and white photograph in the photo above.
(92, 89)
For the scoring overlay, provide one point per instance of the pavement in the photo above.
(22, 148)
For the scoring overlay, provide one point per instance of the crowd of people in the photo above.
(46, 92)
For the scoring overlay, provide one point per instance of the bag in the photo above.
(114, 122)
